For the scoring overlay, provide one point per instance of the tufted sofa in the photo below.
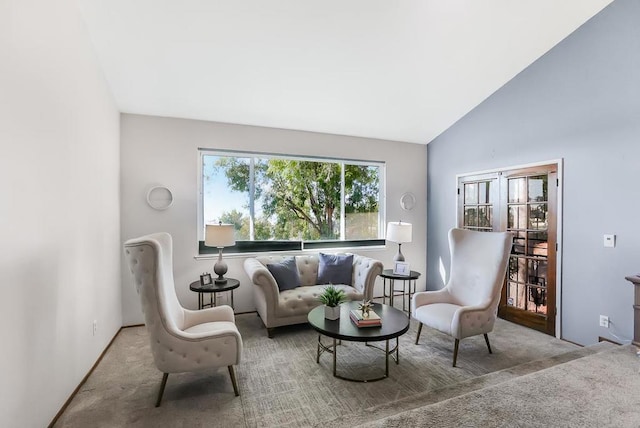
(277, 308)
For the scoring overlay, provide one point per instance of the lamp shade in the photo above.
(219, 235)
(399, 232)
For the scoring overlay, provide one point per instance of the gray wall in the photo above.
(579, 102)
(164, 151)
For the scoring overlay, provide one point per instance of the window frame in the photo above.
(246, 247)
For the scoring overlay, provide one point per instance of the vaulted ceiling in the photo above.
(396, 70)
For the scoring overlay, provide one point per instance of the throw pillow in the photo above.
(285, 273)
(335, 269)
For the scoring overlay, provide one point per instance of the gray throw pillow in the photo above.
(335, 269)
(285, 273)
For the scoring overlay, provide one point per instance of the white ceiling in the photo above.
(401, 70)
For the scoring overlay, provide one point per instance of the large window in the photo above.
(291, 203)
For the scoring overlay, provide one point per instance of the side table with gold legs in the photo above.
(410, 280)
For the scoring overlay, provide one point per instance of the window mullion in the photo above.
(343, 219)
(252, 189)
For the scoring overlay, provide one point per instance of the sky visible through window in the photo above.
(218, 197)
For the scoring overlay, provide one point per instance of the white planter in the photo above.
(332, 313)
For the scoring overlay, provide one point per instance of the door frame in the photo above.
(559, 231)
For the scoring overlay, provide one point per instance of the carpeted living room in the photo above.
(281, 384)
(284, 213)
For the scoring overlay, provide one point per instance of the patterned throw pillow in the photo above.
(335, 269)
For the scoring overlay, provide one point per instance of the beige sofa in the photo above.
(277, 308)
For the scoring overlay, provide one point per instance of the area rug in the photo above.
(281, 385)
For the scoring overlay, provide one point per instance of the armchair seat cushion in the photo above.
(210, 327)
(437, 315)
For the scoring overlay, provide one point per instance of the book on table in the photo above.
(373, 320)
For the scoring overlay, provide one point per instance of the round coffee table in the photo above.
(395, 323)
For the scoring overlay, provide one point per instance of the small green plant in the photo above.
(332, 296)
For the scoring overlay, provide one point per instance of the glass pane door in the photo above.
(529, 199)
(523, 202)
(527, 219)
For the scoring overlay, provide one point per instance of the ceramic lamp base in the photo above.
(220, 268)
(399, 256)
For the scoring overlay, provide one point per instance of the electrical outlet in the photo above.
(604, 321)
(95, 326)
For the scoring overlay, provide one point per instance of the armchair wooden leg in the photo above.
(455, 352)
(233, 381)
(270, 333)
(419, 331)
(162, 385)
(486, 339)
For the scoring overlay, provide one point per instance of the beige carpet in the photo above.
(600, 390)
(281, 384)
(426, 398)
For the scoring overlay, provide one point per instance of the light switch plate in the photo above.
(610, 241)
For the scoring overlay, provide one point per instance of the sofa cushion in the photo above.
(335, 269)
(302, 299)
(285, 273)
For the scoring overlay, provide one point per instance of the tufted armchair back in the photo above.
(150, 261)
(478, 266)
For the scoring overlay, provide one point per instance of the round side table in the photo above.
(213, 289)
(411, 279)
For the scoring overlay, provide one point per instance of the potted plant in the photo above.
(331, 297)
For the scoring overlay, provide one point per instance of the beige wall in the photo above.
(162, 151)
(59, 209)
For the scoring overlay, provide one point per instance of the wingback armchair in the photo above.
(468, 304)
(181, 340)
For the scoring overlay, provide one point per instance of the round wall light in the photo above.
(408, 201)
(159, 198)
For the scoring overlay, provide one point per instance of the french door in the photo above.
(522, 201)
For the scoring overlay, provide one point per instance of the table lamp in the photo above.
(400, 233)
(220, 236)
